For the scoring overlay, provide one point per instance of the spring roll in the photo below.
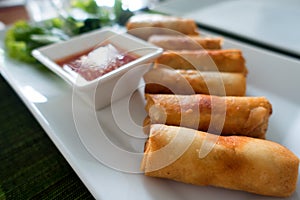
(247, 116)
(181, 42)
(234, 162)
(145, 25)
(229, 60)
(170, 81)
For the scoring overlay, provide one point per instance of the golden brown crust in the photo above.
(229, 60)
(160, 24)
(169, 81)
(229, 115)
(182, 42)
(146, 125)
(240, 163)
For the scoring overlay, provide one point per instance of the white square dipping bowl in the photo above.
(109, 87)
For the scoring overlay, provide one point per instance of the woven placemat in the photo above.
(31, 167)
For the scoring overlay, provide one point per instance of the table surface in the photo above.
(8, 15)
(31, 165)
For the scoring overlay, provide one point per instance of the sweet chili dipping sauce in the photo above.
(93, 63)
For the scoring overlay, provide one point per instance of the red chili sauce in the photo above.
(90, 65)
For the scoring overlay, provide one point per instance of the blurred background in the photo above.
(268, 23)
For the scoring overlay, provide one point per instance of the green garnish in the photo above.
(22, 37)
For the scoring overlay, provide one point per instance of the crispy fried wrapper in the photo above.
(234, 162)
(184, 42)
(170, 81)
(224, 60)
(145, 25)
(229, 115)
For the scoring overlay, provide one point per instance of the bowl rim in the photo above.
(41, 55)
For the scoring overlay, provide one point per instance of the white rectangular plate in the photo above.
(82, 135)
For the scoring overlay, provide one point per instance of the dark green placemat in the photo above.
(31, 167)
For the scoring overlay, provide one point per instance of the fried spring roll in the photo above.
(170, 81)
(176, 42)
(247, 116)
(145, 25)
(234, 162)
(229, 60)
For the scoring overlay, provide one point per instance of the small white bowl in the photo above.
(98, 92)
